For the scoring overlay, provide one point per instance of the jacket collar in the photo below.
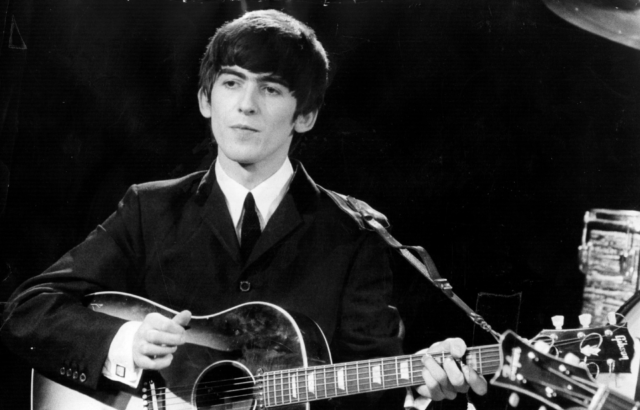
(296, 207)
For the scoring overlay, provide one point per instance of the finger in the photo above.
(182, 319)
(165, 324)
(158, 337)
(439, 375)
(477, 383)
(455, 346)
(150, 363)
(151, 350)
(455, 375)
(431, 388)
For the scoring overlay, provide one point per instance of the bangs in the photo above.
(262, 53)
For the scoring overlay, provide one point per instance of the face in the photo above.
(252, 117)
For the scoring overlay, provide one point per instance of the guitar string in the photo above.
(350, 368)
(362, 381)
(573, 395)
(283, 389)
(484, 362)
(286, 375)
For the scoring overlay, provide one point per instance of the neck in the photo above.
(249, 175)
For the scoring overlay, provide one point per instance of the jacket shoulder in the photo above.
(356, 210)
(186, 183)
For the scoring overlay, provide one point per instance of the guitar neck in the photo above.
(322, 382)
(606, 399)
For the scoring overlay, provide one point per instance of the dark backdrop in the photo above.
(483, 129)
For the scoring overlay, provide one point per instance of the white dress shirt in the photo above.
(119, 365)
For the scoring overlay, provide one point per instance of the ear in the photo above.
(205, 105)
(304, 122)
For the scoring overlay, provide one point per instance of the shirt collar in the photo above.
(267, 195)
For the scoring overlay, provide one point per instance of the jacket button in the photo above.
(75, 375)
(62, 370)
(68, 372)
(83, 377)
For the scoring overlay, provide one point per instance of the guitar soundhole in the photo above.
(225, 386)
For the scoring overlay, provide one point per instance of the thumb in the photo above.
(183, 318)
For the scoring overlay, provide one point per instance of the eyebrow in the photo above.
(264, 78)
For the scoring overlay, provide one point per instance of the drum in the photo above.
(608, 256)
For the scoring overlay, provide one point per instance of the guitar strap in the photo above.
(368, 218)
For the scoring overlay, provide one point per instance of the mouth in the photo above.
(243, 127)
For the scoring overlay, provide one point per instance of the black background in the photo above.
(483, 129)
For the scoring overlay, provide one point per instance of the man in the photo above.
(253, 228)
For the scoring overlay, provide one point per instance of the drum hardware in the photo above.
(609, 256)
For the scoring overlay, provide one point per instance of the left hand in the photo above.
(446, 381)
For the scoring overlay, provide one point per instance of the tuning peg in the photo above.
(611, 317)
(514, 400)
(558, 321)
(585, 319)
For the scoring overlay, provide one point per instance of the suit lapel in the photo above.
(216, 215)
(290, 214)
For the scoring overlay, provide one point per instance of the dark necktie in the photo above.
(250, 228)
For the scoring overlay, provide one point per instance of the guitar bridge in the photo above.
(153, 396)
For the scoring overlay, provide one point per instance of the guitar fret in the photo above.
(268, 390)
(390, 372)
(284, 387)
(324, 381)
(302, 382)
(293, 381)
(404, 370)
(411, 370)
(395, 362)
(341, 378)
(352, 378)
(281, 389)
(275, 388)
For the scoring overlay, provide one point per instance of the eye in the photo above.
(230, 83)
(271, 90)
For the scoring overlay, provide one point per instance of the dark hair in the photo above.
(269, 41)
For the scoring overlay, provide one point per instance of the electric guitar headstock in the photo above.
(605, 349)
(555, 383)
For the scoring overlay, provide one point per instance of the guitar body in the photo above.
(239, 344)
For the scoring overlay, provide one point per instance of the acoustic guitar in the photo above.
(258, 355)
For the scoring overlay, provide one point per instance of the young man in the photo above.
(255, 227)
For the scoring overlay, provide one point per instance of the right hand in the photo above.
(158, 338)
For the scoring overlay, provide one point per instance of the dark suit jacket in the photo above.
(173, 242)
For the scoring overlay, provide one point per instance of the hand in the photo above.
(158, 338)
(449, 380)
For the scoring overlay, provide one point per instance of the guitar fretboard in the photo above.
(322, 382)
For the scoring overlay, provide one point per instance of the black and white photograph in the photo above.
(319, 204)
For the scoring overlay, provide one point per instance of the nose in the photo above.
(248, 103)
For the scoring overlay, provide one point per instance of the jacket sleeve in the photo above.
(45, 321)
(369, 327)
